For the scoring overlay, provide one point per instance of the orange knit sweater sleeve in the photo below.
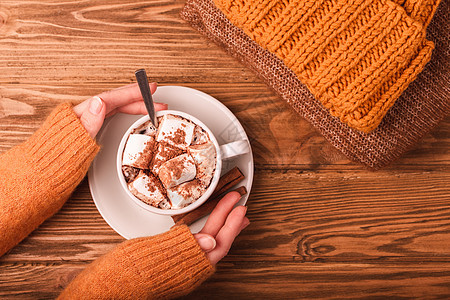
(38, 176)
(165, 266)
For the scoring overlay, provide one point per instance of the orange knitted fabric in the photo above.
(164, 266)
(356, 57)
(420, 10)
(38, 176)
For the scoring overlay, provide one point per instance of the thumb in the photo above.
(92, 118)
(205, 241)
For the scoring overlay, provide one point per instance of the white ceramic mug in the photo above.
(223, 152)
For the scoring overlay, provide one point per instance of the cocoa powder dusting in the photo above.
(177, 169)
(157, 153)
(161, 186)
(163, 153)
(150, 187)
(178, 137)
(146, 155)
(191, 189)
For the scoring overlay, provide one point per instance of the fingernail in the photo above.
(207, 243)
(245, 224)
(95, 105)
(245, 209)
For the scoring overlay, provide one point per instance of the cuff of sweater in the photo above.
(172, 264)
(167, 265)
(61, 149)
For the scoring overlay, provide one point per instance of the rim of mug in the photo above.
(196, 203)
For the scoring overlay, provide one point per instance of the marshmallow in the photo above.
(150, 129)
(129, 173)
(177, 170)
(186, 193)
(204, 156)
(163, 153)
(176, 131)
(200, 136)
(138, 151)
(147, 128)
(165, 204)
(147, 188)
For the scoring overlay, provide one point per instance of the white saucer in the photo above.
(115, 206)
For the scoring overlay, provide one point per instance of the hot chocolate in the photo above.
(171, 166)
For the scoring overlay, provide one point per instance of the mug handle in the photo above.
(234, 149)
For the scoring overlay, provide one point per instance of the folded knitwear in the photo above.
(356, 57)
(418, 110)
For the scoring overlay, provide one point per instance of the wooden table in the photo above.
(322, 226)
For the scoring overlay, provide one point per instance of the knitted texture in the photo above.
(418, 110)
(164, 266)
(356, 57)
(420, 10)
(38, 176)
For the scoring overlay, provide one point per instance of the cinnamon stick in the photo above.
(226, 181)
(205, 209)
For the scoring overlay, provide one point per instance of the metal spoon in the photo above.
(142, 80)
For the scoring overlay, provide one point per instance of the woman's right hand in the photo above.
(126, 99)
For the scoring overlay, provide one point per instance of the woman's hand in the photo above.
(222, 227)
(126, 99)
(224, 223)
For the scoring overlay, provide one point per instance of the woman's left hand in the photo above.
(126, 99)
(223, 225)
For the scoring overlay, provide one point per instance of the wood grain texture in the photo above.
(322, 226)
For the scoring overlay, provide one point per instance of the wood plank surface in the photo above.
(322, 226)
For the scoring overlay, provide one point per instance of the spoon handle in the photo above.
(142, 80)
